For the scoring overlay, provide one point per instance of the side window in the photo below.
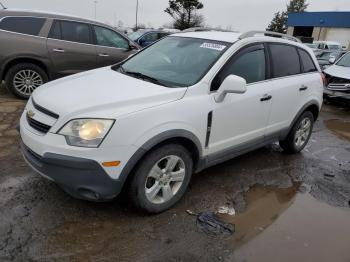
(75, 32)
(161, 35)
(106, 37)
(23, 25)
(250, 65)
(55, 32)
(151, 37)
(285, 60)
(306, 61)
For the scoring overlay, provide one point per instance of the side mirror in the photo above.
(331, 60)
(232, 84)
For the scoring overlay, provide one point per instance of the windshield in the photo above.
(327, 55)
(344, 61)
(175, 61)
(135, 35)
(335, 47)
(312, 45)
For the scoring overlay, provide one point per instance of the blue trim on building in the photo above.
(319, 19)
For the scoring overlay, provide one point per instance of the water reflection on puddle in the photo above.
(339, 127)
(284, 225)
(264, 206)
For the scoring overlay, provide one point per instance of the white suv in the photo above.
(189, 101)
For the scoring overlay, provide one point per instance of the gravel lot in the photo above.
(288, 207)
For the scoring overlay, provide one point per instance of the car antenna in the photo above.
(3, 7)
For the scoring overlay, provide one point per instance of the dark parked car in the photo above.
(147, 37)
(37, 47)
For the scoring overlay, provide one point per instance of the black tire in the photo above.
(289, 144)
(14, 70)
(137, 188)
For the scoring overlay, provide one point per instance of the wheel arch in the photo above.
(178, 136)
(19, 60)
(313, 106)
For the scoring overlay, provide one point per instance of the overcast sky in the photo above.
(241, 15)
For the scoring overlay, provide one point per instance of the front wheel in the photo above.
(300, 134)
(161, 179)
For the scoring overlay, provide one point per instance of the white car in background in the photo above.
(338, 80)
(328, 45)
(189, 101)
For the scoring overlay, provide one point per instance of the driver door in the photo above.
(240, 120)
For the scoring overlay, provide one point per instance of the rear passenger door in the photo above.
(290, 85)
(71, 49)
(111, 47)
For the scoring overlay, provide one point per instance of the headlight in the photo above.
(86, 132)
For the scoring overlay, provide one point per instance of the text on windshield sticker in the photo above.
(213, 46)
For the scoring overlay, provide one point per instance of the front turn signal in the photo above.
(111, 164)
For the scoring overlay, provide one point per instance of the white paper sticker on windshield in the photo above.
(213, 46)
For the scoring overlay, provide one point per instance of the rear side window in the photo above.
(306, 61)
(23, 25)
(71, 31)
(285, 60)
(55, 32)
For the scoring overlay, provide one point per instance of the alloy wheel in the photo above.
(165, 179)
(303, 132)
(26, 81)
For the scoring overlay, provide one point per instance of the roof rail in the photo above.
(269, 33)
(199, 29)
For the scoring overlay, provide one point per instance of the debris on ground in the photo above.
(227, 210)
(190, 212)
(209, 223)
(328, 177)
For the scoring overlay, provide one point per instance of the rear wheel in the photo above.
(161, 179)
(300, 134)
(22, 79)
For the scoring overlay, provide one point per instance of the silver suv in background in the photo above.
(37, 47)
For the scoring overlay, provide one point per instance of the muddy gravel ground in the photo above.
(288, 207)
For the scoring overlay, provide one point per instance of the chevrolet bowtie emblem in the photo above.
(30, 113)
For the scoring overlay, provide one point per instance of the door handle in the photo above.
(265, 98)
(103, 55)
(58, 50)
(303, 88)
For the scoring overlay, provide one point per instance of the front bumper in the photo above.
(79, 177)
(337, 95)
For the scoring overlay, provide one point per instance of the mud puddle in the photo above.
(284, 225)
(339, 127)
(264, 206)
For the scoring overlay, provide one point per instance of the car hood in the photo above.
(338, 71)
(102, 93)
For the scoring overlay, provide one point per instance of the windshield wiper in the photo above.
(143, 77)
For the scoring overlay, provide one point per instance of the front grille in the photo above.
(43, 128)
(44, 110)
(338, 84)
(339, 87)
